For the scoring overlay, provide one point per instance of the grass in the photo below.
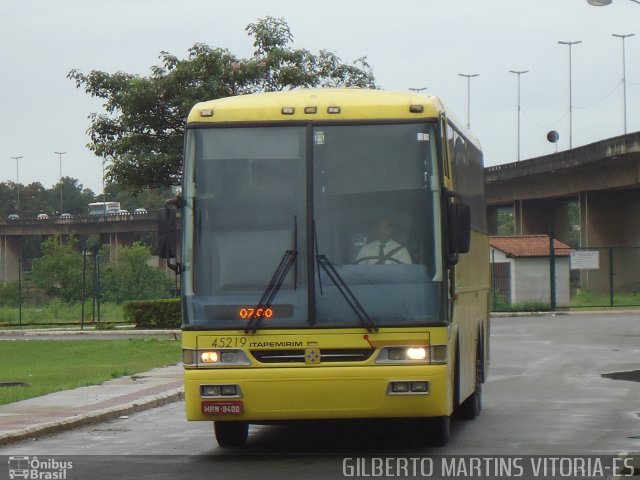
(585, 298)
(58, 313)
(499, 304)
(579, 299)
(52, 365)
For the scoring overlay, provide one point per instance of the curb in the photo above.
(98, 416)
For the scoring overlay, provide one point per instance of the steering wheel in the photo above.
(377, 257)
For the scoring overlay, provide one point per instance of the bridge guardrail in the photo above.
(80, 219)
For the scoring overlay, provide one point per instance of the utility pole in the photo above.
(61, 184)
(469, 76)
(624, 75)
(17, 184)
(570, 44)
(519, 73)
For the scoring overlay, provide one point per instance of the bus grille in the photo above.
(326, 355)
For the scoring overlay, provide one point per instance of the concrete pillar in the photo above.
(532, 217)
(10, 251)
(610, 226)
(611, 218)
(492, 220)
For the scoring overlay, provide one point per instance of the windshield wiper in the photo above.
(346, 293)
(288, 259)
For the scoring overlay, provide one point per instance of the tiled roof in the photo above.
(528, 246)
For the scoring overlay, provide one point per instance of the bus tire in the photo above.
(440, 430)
(435, 431)
(472, 406)
(231, 434)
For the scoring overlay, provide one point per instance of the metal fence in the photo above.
(569, 278)
(605, 277)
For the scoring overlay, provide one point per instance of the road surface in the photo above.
(557, 385)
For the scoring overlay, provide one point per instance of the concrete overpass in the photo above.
(113, 230)
(602, 177)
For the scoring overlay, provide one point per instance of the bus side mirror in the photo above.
(168, 233)
(459, 239)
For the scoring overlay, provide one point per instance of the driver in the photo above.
(383, 250)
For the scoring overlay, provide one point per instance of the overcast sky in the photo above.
(409, 44)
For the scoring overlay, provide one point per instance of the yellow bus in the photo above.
(334, 261)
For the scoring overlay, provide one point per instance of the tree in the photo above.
(131, 278)
(150, 198)
(75, 197)
(7, 199)
(59, 271)
(35, 199)
(505, 221)
(142, 128)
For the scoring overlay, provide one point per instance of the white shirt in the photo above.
(373, 250)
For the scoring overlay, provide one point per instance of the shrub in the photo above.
(165, 313)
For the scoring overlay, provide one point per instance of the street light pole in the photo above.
(60, 157)
(624, 75)
(17, 185)
(468, 76)
(570, 44)
(519, 73)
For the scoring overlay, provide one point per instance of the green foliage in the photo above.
(588, 298)
(573, 222)
(143, 124)
(35, 199)
(154, 313)
(57, 313)
(505, 221)
(150, 198)
(128, 276)
(59, 271)
(9, 292)
(124, 273)
(500, 304)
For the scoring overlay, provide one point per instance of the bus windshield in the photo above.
(323, 226)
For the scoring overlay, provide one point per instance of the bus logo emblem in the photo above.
(312, 356)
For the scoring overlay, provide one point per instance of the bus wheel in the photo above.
(472, 406)
(436, 431)
(231, 434)
(441, 431)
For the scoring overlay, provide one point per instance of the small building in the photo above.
(520, 269)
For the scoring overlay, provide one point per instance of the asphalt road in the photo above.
(545, 395)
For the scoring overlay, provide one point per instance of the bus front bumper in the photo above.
(278, 394)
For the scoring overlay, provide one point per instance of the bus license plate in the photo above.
(210, 407)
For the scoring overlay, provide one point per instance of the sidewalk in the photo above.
(86, 405)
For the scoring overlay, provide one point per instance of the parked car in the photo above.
(140, 211)
(123, 212)
(13, 217)
(42, 216)
(66, 216)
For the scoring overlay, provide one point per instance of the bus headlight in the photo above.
(434, 354)
(215, 358)
(416, 353)
(209, 357)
